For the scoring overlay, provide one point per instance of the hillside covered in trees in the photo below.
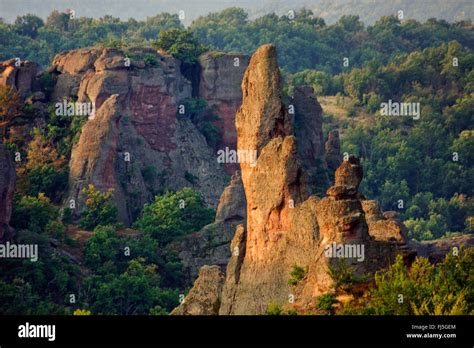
(419, 166)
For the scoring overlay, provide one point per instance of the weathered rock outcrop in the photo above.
(69, 67)
(232, 204)
(7, 188)
(272, 187)
(436, 250)
(205, 297)
(219, 85)
(286, 226)
(333, 151)
(92, 161)
(148, 147)
(383, 227)
(310, 141)
(210, 245)
(20, 75)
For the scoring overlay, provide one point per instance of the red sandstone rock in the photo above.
(165, 150)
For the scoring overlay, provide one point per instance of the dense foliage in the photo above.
(424, 289)
(419, 167)
(304, 42)
(99, 210)
(173, 215)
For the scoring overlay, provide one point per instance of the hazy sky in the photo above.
(330, 10)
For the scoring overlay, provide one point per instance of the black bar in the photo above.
(240, 330)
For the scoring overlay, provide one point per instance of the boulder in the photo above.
(205, 296)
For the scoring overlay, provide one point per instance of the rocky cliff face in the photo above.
(7, 188)
(274, 190)
(286, 225)
(20, 75)
(333, 151)
(310, 141)
(210, 245)
(219, 85)
(136, 143)
(205, 296)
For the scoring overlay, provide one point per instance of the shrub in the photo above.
(181, 44)
(33, 213)
(426, 290)
(47, 179)
(133, 292)
(158, 310)
(99, 210)
(193, 179)
(341, 273)
(193, 106)
(47, 83)
(82, 312)
(373, 103)
(274, 309)
(149, 174)
(174, 214)
(103, 246)
(351, 112)
(297, 274)
(67, 216)
(56, 229)
(150, 59)
(326, 302)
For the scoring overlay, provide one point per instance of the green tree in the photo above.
(99, 208)
(173, 215)
(33, 213)
(424, 289)
(181, 44)
(136, 291)
(28, 25)
(58, 21)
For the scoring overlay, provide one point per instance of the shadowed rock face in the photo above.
(7, 188)
(219, 85)
(146, 146)
(436, 250)
(210, 245)
(205, 296)
(309, 138)
(333, 151)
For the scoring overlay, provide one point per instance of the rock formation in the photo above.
(309, 137)
(436, 250)
(273, 190)
(210, 245)
(7, 188)
(19, 75)
(219, 85)
(69, 67)
(286, 226)
(205, 297)
(147, 147)
(333, 151)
